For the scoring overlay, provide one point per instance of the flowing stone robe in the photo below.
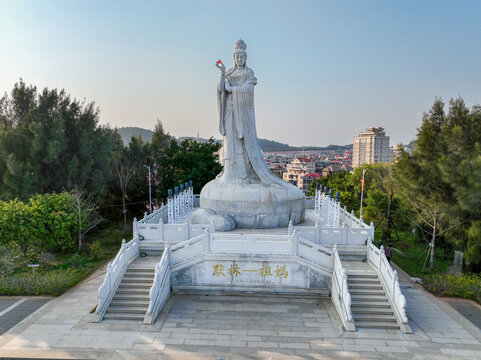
(246, 190)
(242, 157)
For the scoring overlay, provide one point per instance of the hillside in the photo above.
(266, 145)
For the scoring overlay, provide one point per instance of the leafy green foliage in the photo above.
(465, 286)
(190, 160)
(49, 142)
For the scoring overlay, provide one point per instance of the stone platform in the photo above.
(235, 328)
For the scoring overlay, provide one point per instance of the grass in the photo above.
(67, 270)
(412, 254)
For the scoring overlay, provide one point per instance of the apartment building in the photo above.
(370, 146)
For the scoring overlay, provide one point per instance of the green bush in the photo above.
(38, 283)
(465, 286)
(75, 261)
(8, 259)
(95, 250)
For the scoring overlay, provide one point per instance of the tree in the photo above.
(191, 160)
(48, 142)
(84, 206)
(124, 169)
(55, 222)
(17, 226)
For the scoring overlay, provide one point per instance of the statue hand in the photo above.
(220, 66)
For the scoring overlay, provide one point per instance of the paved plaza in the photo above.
(238, 327)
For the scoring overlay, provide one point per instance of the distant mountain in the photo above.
(266, 145)
(128, 132)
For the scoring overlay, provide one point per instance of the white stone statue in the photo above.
(246, 190)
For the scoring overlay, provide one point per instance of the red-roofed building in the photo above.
(297, 169)
(308, 179)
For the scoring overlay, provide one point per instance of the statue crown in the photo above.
(240, 45)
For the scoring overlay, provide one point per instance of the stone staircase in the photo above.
(369, 304)
(131, 300)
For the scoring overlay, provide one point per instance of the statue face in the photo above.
(240, 59)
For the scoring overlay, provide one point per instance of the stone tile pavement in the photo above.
(236, 327)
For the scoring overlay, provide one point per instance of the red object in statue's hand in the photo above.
(219, 61)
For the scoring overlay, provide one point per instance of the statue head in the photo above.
(240, 53)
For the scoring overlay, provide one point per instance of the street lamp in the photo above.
(362, 192)
(150, 189)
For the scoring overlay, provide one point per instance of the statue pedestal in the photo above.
(254, 206)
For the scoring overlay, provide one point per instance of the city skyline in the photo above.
(326, 70)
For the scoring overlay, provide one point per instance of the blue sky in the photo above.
(326, 69)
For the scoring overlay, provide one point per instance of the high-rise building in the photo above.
(370, 146)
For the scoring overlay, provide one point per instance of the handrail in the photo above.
(160, 290)
(390, 280)
(115, 271)
(340, 292)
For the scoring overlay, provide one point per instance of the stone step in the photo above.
(136, 303)
(120, 316)
(374, 292)
(368, 298)
(371, 310)
(141, 286)
(132, 291)
(137, 280)
(373, 317)
(130, 297)
(365, 286)
(376, 304)
(363, 281)
(139, 275)
(141, 270)
(376, 325)
(366, 275)
(126, 310)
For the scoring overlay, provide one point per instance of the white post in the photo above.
(181, 201)
(207, 246)
(176, 205)
(317, 230)
(395, 279)
(362, 191)
(135, 229)
(170, 207)
(122, 250)
(290, 228)
(295, 242)
(161, 230)
(187, 224)
(109, 274)
(381, 251)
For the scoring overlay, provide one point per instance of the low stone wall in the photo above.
(248, 274)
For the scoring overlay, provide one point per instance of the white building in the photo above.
(370, 146)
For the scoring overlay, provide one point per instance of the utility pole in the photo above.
(150, 189)
(362, 191)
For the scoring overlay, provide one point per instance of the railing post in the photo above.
(181, 201)
(109, 274)
(345, 235)
(290, 228)
(317, 230)
(122, 249)
(372, 230)
(212, 226)
(295, 242)
(170, 207)
(381, 251)
(187, 224)
(395, 279)
(207, 247)
(135, 229)
(161, 230)
(176, 205)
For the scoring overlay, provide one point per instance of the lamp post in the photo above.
(150, 189)
(362, 192)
